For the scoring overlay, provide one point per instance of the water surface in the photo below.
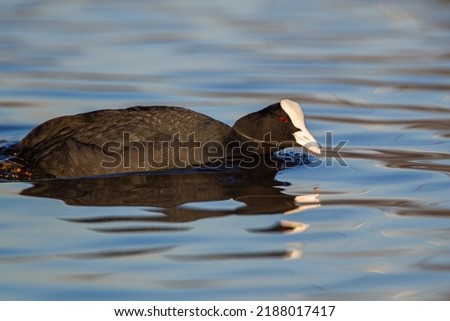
(374, 224)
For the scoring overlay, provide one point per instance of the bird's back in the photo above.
(112, 141)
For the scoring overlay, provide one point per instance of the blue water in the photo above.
(371, 223)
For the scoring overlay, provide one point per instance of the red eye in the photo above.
(282, 119)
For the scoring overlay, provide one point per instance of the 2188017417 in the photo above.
(300, 311)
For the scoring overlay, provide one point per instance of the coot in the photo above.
(160, 137)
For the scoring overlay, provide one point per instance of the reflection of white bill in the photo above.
(305, 202)
(292, 227)
(293, 254)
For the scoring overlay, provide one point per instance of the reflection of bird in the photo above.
(175, 193)
(155, 138)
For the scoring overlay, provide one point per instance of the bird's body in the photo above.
(157, 138)
(79, 144)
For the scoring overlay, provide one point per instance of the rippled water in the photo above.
(374, 224)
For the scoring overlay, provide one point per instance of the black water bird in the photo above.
(159, 138)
